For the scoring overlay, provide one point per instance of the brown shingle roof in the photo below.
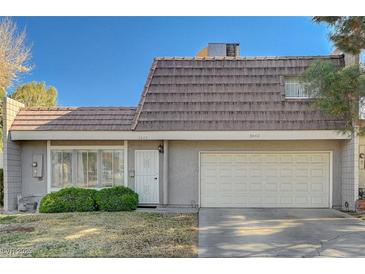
(79, 118)
(200, 93)
(227, 93)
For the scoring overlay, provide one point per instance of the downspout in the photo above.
(166, 173)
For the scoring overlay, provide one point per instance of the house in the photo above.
(218, 130)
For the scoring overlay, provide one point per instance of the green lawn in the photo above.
(98, 234)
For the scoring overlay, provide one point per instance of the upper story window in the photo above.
(294, 88)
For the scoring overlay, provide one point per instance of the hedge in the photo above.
(129, 202)
(69, 199)
(118, 198)
(75, 199)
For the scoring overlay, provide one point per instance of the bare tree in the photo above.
(14, 54)
(14, 59)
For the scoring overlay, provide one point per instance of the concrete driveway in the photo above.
(279, 233)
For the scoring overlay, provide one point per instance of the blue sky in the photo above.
(104, 61)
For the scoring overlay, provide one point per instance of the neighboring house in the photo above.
(211, 131)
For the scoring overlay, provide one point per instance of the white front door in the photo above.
(265, 179)
(147, 176)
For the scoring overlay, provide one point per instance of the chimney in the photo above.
(350, 59)
(221, 49)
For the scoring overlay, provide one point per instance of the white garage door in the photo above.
(265, 179)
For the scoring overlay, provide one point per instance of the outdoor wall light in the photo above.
(361, 155)
(160, 148)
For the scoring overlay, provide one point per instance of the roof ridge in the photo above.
(76, 108)
(238, 58)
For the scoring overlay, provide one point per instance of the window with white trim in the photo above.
(112, 168)
(88, 168)
(61, 164)
(294, 88)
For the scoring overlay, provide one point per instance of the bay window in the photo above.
(88, 168)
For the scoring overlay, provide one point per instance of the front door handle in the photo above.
(155, 178)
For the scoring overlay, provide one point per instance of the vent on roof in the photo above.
(223, 49)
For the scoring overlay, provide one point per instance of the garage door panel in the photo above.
(286, 187)
(240, 158)
(239, 187)
(255, 187)
(286, 172)
(286, 158)
(265, 179)
(271, 201)
(239, 200)
(241, 172)
(301, 172)
(272, 158)
(254, 200)
(301, 187)
(255, 158)
(225, 189)
(302, 158)
(271, 187)
(269, 171)
(317, 187)
(319, 158)
(301, 200)
(317, 201)
(255, 172)
(317, 172)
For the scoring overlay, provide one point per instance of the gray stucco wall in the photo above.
(33, 186)
(184, 163)
(361, 166)
(350, 173)
(183, 178)
(38, 186)
(144, 145)
(12, 156)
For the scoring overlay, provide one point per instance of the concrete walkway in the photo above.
(175, 210)
(279, 233)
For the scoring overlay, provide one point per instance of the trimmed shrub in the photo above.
(74, 199)
(71, 199)
(118, 198)
(1, 188)
(129, 202)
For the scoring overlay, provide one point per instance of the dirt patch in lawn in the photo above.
(18, 229)
(99, 234)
